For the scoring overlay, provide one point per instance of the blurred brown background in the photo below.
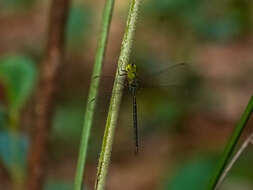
(183, 129)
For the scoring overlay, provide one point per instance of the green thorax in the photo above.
(131, 73)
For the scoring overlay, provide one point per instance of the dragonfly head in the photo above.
(131, 72)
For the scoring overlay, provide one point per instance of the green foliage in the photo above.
(18, 75)
(212, 20)
(7, 153)
(78, 26)
(67, 122)
(224, 28)
(15, 4)
(58, 185)
(2, 117)
(170, 7)
(193, 175)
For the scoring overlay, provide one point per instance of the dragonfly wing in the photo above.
(105, 92)
(171, 76)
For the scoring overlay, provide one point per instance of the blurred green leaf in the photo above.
(67, 122)
(15, 4)
(18, 74)
(193, 175)
(2, 117)
(58, 185)
(13, 149)
(224, 28)
(78, 25)
(204, 19)
(169, 7)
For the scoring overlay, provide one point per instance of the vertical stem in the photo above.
(45, 94)
(233, 160)
(229, 149)
(113, 113)
(16, 173)
(91, 102)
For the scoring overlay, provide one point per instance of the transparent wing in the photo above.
(172, 76)
(172, 79)
(169, 69)
(105, 92)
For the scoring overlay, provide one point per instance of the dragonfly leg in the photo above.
(122, 72)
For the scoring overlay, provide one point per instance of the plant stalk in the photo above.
(229, 149)
(44, 98)
(93, 92)
(233, 160)
(114, 107)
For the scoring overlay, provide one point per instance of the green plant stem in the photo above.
(16, 172)
(113, 113)
(236, 156)
(229, 149)
(91, 102)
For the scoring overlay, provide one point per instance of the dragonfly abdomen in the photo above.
(135, 124)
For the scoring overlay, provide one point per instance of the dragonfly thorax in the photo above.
(132, 77)
(131, 72)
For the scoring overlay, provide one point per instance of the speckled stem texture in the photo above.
(93, 92)
(116, 97)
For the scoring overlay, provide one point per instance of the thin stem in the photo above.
(229, 149)
(233, 160)
(91, 102)
(17, 177)
(116, 96)
(44, 102)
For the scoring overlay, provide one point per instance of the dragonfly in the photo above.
(136, 82)
(132, 82)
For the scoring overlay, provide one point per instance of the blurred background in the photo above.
(184, 121)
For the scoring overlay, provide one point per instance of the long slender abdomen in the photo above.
(135, 123)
